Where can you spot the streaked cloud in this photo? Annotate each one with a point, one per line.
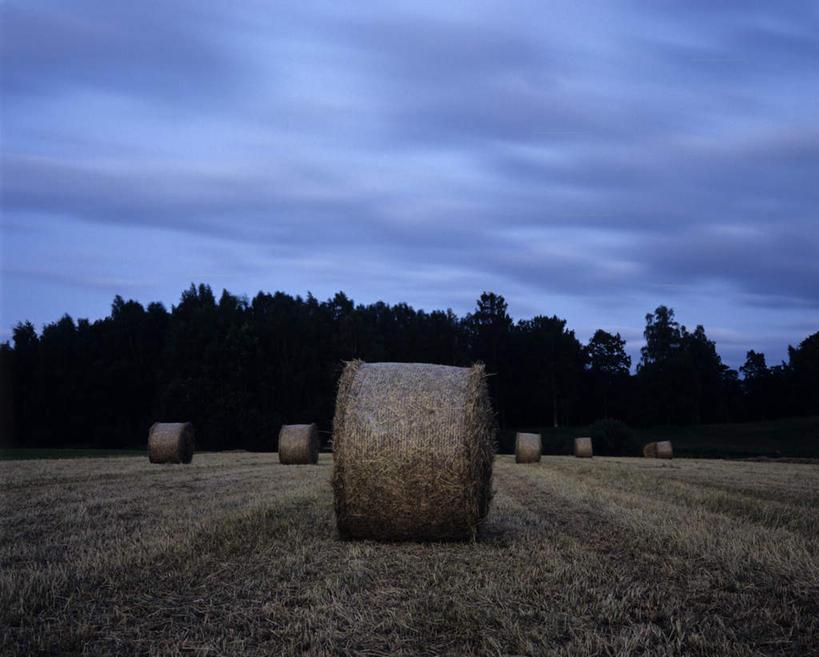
(590, 162)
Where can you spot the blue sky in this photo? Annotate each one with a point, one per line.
(591, 160)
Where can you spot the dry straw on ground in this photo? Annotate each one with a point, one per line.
(248, 564)
(583, 447)
(659, 450)
(527, 447)
(413, 446)
(170, 442)
(298, 444)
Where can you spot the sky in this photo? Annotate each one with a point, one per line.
(592, 160)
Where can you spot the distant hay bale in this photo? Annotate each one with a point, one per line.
(170, 442)
(413, 446)
(298, 444)
(583, 447)
(658, 450)
(527, 447)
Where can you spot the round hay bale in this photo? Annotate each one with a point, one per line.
(527, 447)
(170, 442)
(413, 446)
(298, 443)
(650, 450)
(664, 450)
(583, 447)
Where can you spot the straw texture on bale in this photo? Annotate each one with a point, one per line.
(170, 442)
(413, 446)
(527, 447)
(298, 444)
(659, 450)
(583, 447)
(664, 449)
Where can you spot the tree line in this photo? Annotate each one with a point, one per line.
(240, 368)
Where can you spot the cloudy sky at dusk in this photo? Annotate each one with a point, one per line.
(591, 160)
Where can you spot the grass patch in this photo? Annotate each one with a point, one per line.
(26, 453)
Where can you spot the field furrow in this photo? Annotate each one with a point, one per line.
(238, 554)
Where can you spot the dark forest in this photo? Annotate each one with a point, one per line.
(240, 368)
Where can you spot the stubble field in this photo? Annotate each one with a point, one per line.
(236, 554)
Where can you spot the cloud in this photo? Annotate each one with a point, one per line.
(157, 49)
(597, 158)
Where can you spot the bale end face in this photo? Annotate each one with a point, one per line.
(298, 444)
(583, 447)
(413, 445)
(664, 450)
(528, 447)
(650, 450)
(171, 442)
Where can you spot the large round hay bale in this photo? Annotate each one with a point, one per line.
(658, 450)
(664, 450)
(413, 446)
(583, 447)
(170, 442)
(527, 447)
(298, 443)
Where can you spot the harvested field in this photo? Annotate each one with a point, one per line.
(611, 557)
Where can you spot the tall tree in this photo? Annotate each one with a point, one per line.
(803, 362)
(756, 384)
(26, 394)
(658, 362)
(549, 363)
(705, 375)
(607, 362)
(8, 431)
(488, 330)
(662, 335)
